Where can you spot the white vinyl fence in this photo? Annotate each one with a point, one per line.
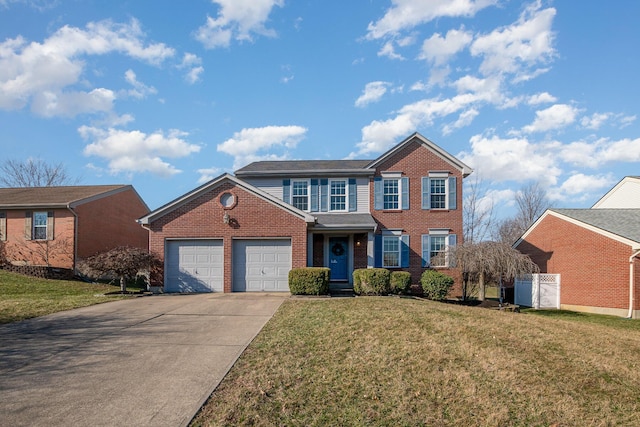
(538, 291)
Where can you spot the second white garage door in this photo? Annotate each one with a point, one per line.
(261, 265)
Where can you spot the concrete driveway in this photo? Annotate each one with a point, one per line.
(148, 361)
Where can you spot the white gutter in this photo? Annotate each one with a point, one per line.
(631, 283)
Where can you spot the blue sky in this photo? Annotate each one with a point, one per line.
(169, 96)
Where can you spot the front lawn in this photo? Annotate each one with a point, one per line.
(398, 361)
(23, 297)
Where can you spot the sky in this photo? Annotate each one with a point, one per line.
(167, 95)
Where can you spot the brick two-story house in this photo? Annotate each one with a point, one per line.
(56, 226)
(245, 232)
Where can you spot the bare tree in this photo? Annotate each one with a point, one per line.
(34, 173)
(124, 262)
(532, 201)
(477, 212)
(483, 262)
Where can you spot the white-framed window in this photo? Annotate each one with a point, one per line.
(390, 251)
(39, 226)
(300, 194)
(394, 249)
(391, 193)
(436, 248)
(338, 195)
(439, 191)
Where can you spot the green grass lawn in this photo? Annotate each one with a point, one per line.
(23, 297)
(404, 362)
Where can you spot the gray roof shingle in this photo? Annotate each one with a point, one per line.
(302, 166)
(51, 196)
(622, 222)
(346, 221)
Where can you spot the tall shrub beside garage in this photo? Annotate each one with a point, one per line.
(309, 281)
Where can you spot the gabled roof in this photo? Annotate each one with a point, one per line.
(55, 197)
(305, 167)
(341, 167)
(186, 198)
(466, 170)
(620, 200)
(622, 225)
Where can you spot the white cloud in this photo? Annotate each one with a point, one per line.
(192, 63)
(251, 144)
(133, 152)
(41, 73)
(70, 104)
(595, 120)
(208, 174)
(464, 119)
(555, 117)
(518, 48)
(511, 159)
(389, 51)
(406, 14)
(541, 98)
(140, 90)
(438, 50)
(372, 92)
(580, 183)
(626, 120)
(238, 20)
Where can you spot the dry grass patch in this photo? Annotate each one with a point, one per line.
(396, 361)
(24, 297)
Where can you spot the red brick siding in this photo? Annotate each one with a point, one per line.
(318, 250)
(415, 161)
(59, 250)
(252, 217)
(110, 222)
(360, 251)
(594, 269)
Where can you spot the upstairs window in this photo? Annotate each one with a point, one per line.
(300, 195)
(391, 192)
(439, 191)
(338, 196)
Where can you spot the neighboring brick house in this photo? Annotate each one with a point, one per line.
(57, 226)
(595, 251)
(245, 232)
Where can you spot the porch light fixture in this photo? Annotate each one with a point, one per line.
(226, 218)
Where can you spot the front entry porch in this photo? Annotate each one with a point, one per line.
(341, 253)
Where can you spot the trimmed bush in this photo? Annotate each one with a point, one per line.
(309, 281)
(400, 282)
(371, 281)
(435, 285)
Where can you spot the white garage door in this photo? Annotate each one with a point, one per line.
(261, 265)
(194, 266)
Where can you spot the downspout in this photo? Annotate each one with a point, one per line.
(75, 237)
(631, 283)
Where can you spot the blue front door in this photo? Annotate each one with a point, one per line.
(338, 255)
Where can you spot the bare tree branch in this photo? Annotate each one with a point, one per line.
(477, 212)
(34, 173)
